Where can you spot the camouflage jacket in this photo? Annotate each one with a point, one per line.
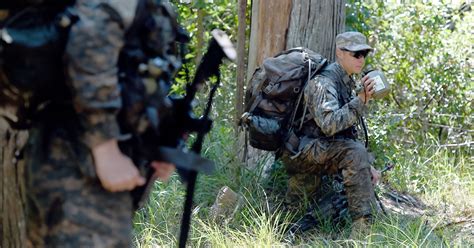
(332, 103)
(91, 55)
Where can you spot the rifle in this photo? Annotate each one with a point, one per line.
(165, 139)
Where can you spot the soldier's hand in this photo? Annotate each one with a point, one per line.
(116, 171)
(163, 170)
(369, 89)
(375, 175)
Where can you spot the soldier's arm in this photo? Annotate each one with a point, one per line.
(321, 96)
(91, 55)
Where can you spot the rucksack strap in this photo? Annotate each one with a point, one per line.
(311, 75)
(300, 95)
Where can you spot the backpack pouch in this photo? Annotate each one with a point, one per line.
(265, 133)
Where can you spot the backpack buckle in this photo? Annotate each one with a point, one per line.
(245, 119)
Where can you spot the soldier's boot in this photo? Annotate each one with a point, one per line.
(360, 228)
(307, 222)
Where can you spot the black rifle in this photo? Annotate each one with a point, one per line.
(165, 139)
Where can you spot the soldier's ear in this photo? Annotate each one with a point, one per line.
(338, 53)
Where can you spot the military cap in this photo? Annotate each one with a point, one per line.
(352, 41)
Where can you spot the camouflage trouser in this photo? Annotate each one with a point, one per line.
(67, 207)
(328, 157)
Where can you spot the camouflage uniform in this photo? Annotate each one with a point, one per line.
(67, 204)
(329, 142)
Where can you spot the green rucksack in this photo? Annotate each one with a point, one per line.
(275, 93)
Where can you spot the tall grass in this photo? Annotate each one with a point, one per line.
(259, 227)
(442, 177)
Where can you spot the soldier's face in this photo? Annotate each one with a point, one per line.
(352, 62)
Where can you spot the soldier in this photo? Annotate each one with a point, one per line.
(78, 180)
(327, 141)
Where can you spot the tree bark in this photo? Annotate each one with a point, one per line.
(12, 190)
(314, 24)
(241, 38)
(200, 35)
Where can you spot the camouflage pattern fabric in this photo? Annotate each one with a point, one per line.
(324, 149)
(352, 41)
(323, 97)
(66, 202)
(65, 207)
(91, 54)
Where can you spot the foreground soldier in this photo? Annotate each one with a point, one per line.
(329, 142)
(78, 179)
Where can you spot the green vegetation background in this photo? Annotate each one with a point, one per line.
(424, 127)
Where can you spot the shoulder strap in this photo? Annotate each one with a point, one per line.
(311, 75)
(300, 95)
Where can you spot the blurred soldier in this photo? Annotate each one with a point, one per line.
(328, 143)
(78, 178)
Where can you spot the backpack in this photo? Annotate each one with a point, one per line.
(275, 93)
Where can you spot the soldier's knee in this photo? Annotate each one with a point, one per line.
(358, 156)
(356, 176)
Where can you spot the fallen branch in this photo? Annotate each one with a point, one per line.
(451, 223)
(468, 143)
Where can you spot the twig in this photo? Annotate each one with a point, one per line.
(396, 101)
(468, 143)
(454, 223)
(447, 126)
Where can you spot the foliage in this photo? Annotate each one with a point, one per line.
(222, 16)
(423, 47)
(424, 127)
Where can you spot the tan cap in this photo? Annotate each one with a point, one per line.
(352, 41)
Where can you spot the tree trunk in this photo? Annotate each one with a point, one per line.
(270, 20)
(200, 35)
(314, 24)
(12, 190)
(282, 24)
(241, 38)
